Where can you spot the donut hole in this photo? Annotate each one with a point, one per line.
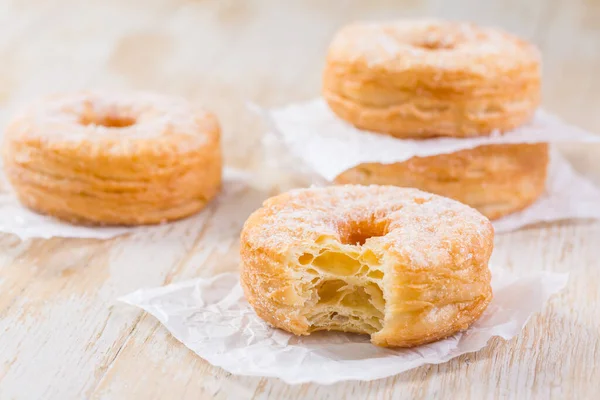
(436, 39)
(435, 44)
(359, 238)
(358, 232)
(107, 120)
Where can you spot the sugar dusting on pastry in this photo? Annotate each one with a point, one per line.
(427, 78)
(432, 41)
(114, 158)
(367, 259)
(118, 116)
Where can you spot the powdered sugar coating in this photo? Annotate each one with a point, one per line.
(412, 265)
(150, 120)
(110, 158)
(445, 45)
(423, 228)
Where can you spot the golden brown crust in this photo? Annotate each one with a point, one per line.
(419, 79)
(405, 266)
(114, 158)
(497, 180)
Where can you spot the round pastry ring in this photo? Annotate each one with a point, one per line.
(103, 158)
(405, 266)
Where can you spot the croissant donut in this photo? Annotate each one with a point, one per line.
(420, 79)
(497, 180)
(404, 266)
(114, 158)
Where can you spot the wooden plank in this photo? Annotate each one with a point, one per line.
(527, 365)
(61, 333)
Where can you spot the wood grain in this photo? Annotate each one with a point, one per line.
(62, 335)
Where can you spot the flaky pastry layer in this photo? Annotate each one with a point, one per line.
(497, 180)
(427, 78)
(114, 158)
(404, 266)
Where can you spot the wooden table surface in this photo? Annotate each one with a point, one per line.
(62, 334)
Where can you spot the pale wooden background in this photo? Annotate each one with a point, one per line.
(62, 336)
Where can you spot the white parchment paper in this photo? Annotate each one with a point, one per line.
(329, 146)
(568, 196)
(212, 318)
(309, 140)
(26, 224)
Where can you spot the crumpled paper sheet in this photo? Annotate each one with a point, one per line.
(568, 196)
(26, 224)
(330, 146)
(308, 139)
(212, 318)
